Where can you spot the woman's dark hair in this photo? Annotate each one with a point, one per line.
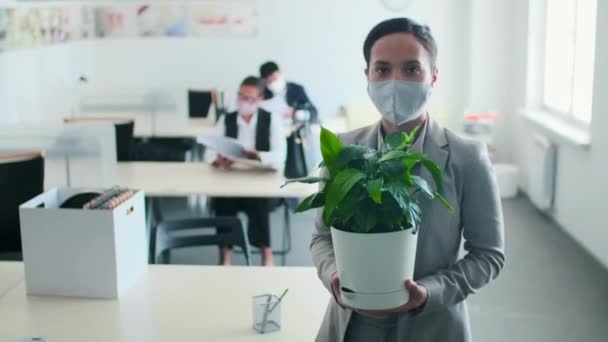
(253, 81)
(268, 68)
(401, 25)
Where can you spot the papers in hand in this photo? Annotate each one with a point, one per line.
(232, 149)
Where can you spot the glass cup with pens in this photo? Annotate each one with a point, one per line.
(267, 312)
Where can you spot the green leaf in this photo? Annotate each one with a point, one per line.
(330, 149)
(351, 152)
(421, 184)
(399, 193)
(395, 141)
(445, 202)
(409, 208)
(327, 217)
(411, 159)
(365, 221)
(374, 189)
(410, 138)
(407, 178)
(390, 155)
(435, 172)
(339, 187)
(414, 216)
(393, 169)
(307, 180)
(370, 163)
(414, 158)
(390, 213)
(313, 201)
(349, 204)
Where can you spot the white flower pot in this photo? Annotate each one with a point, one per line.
(373, 267)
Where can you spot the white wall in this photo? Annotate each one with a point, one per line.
(318, 43)
(34, 84)
(581, 174)
(497, 49)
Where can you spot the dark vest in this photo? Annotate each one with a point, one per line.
(262, 129)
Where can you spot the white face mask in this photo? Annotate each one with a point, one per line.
(277, 85)
(399, 101)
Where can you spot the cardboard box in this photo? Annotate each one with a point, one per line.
(82, 252)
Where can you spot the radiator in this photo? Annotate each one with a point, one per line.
(542, 170)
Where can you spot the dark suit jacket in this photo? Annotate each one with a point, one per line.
(296, 97)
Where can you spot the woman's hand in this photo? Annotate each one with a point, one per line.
(253, 155)
(418, 297)
(222, 162)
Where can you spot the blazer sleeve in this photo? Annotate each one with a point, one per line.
(321, 248)
(299, 96)
(483, 232)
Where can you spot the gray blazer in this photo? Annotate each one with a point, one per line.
(470, 186)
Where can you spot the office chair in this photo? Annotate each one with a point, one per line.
(199, 103)
(124, 140)
(275, 203)
(124, 134)
(163, 149)
(163, 241)
(21, 179)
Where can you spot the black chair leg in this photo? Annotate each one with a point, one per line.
(286, 235)
(154, 218)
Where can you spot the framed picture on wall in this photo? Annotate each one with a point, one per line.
(157, 20)
(215, 18)
(113, 21)
(86, 22)
(2, 29)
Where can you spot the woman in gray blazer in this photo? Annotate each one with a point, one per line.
(401, 72)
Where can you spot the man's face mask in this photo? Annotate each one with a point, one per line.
(399, 101)
(277, 85)
(247, 105)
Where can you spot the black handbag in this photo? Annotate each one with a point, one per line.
(295, 163)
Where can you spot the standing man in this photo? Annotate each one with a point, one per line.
(299, 106)
(264, 140)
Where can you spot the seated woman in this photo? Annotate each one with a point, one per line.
(264, 140)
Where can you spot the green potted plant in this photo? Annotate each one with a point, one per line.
(370, 201)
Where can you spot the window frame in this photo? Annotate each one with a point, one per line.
(568, 117)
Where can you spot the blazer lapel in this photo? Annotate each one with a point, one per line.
(369, 137)
(435, 146)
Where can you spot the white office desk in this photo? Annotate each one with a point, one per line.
(173, 303)
(11, 273)
(184, 179)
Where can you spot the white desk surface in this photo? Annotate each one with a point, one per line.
(184, 179)
(172, 303)
(11, 273)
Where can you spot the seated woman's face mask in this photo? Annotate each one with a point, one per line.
(399, 101)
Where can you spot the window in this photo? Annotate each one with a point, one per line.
(569, 58)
